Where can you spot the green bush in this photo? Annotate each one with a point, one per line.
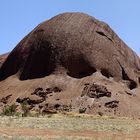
(25, 109)
(10, 110)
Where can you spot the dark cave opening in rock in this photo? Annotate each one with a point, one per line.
(132, 84)
(124, 75)
(139, 80)
(80, 68)
(106, 73)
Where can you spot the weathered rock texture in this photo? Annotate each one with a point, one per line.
(93, 69)
(2, 58)
(77, 42)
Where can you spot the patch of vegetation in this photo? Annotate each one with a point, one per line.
(10, 110)
(25, 109)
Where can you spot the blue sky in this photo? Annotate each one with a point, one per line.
(18, 17)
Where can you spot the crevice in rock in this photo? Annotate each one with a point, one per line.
(103, 34)
(139, 80)
(5, 99)
(132, 84)
(56, 106)
(29, 101)
(44, 93)
(112, 104)
(124, 74)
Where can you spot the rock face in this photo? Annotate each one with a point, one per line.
(77, 42)
(53, 63)
(2, 58)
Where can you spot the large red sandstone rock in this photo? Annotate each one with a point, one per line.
(3, 57)
(76, 42)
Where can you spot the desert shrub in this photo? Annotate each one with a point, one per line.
(10, 110)
(25, 109)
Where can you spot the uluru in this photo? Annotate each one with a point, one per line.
(72, 63)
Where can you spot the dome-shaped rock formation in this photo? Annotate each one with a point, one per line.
(76, 42)
(72, 62)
